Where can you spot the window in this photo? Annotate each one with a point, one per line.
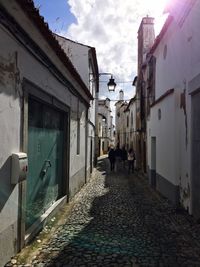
(151, 83)
(165, 52)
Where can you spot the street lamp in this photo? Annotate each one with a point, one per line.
(111, 84)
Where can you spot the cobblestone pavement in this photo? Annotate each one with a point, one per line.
(120, 221)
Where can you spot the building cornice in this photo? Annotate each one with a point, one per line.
(162, 97)
(161, 35)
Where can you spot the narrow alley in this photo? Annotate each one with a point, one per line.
(118, 220)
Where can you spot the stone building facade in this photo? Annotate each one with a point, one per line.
(44, 105)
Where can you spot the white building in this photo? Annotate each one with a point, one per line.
(131, 130)
(173, 128)
(44, 106)
(146, 37)
(84, 60)
(121, 121)
(105, 126)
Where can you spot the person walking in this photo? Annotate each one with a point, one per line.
(124, 156)
(118, 157)
(131, 159)
(111, 156)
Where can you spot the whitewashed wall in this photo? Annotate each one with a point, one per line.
(181, 65)
(77, 161)
(165, 132)
(132, 125)
(104, 109)
(9, 143)
(79, 56)
(17, 63)
(117, 122)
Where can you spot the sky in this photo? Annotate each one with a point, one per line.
(111, 27)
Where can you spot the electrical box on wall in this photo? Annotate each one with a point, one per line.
(19, 167)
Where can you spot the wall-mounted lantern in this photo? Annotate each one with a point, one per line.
(111, 84)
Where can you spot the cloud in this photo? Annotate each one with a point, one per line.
(111, 27)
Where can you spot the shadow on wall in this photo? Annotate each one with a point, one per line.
(6, 187)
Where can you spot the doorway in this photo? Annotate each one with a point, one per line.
(45, 153)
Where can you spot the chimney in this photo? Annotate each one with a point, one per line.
(121, 95)
(146, 38)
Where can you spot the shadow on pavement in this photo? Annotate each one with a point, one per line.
(124, 225)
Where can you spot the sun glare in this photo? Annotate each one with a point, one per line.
(155, 8)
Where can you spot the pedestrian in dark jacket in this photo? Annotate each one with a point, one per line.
(118, 156)
(111, 156)
(131, 159)
(124, 155)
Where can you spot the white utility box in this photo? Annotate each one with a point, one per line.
(19, 167)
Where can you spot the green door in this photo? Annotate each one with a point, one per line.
(45, 157)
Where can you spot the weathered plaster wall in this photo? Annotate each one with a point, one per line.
(77, 161)
(132, 125)
(175, 69)
(78, 55)
(164, 131)
(13, 8)
(91, 138)
(17, 63)
(10, 92)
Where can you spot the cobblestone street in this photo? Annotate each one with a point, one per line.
(119, 221)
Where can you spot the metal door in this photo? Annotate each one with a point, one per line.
(196, 155)
(45, 155)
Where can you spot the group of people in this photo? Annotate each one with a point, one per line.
(118, 156)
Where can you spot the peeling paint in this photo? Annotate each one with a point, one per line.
(10, 74)
(6, 66)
